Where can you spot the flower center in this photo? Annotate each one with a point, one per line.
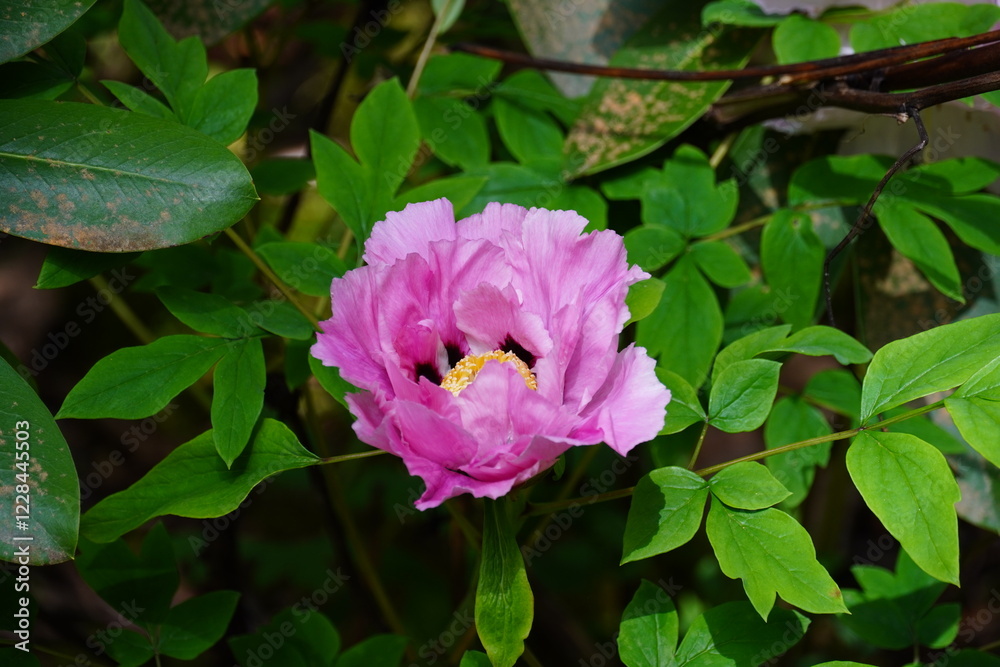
(465, 371)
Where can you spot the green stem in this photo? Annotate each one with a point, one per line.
(697, 447)
(720, 153)
(762, 220)
(266, 270)
(352, 457)
(705, 472)
(992, 646)
(425, 52)
(123, 311)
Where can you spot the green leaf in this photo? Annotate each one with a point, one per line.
(223, 106)
(33, 454)
(916, 237)
(310, 640)
(910, 488)
(794, 420)
(748, 485)
(686, 198)
(738, 12)
(623, 120)
(329, 378)
(836, 389)
(975, 407)
(928, 362)
(281, 318)
(197, 624)
(921, 23)
(282, 176)
(684, 330)
(773, 554)
(969, 217)
(532, 89)
(193, 481)
(504, 603)
(208, 19)
(798, 39)
(26, 25)
(131, 649)
(139, 100)
(136, 184)
(649, 628)
(685, 408)
(748, 347)
(139, 586)
(732, 635)
(529, 134)
(666, 510)
(837, 180)
(642, 298)
(459, 190)
(377, 651)
(939, 627)
(652, 247)
(308, 267)
(178, 69)
(63, 267)
(458, 72)
(475, 659)
(721, 264)
(791, 256)
(447, 12)
(818, 341)
(343, 183)
(207, 313)
(238, 380)
(742, 395)
(136, 382)
(35, 80)
(454, 131)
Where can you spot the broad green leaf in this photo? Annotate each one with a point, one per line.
(910, 488)
(146, 581)
(622, 120)
(791, 256)
(794, 420)
(131, 649)
(721, 264)
(940, 626)
(238, 382)
(139, 100)
(685, 329)
(748, 347)
(512, 184)
(329, 378)
(504, 603)
(33, 80)
(223, 105)
(975, 407)
(773, 554)
(209, 19)
(666, 510)
(34, 458)
(836, 389)
(308, 267)
(197, 624)
(748, 486)
(916, 237)
(136, 382)
(685, 408)
(136, 184)
(63, 267)
(928, 362)
(732, 635)
(26, 25)
(532, 89)
(924, 428)
(969, 217)
(193, 481)
(798, 39)
(282, 176)
(653, 246)
(738, 12)
(281, 318)
(642, 298)
(385, 137)
(686, 198)
(207, 313)
(649, 628)
(343, 183)
(459, 190)
(453, 130)
(742, 395)
(178, 69)
(475, 659)
(529, 134)
(377, 651)
(458, 73)
(313, 642)
(818, 341)
(921, 23)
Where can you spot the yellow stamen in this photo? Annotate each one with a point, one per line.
(465, 371)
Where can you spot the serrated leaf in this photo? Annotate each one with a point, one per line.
(791, 256)
(136, 184)
(238, 383)
(748, 485)
(773, 554)
(665, 513)
(45, 467)
(28, 24)
(504, 603)
(742, 395)
(136, 382)
(928, 362)
(192, 481)
(908, 485)
(649, 628)
(684, 330)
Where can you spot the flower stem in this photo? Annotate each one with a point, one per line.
(720, 153)
(352, 457)
(425, 52)
(266, 270)
(697, 447)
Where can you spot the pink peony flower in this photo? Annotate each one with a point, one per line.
(488, 347)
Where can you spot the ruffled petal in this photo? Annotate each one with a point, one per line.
(489, 317)
(631, 405)
(410, 231)
(496, 224)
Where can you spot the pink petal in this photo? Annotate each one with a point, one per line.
(488, 316)
(495, 223)
(410, 231)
